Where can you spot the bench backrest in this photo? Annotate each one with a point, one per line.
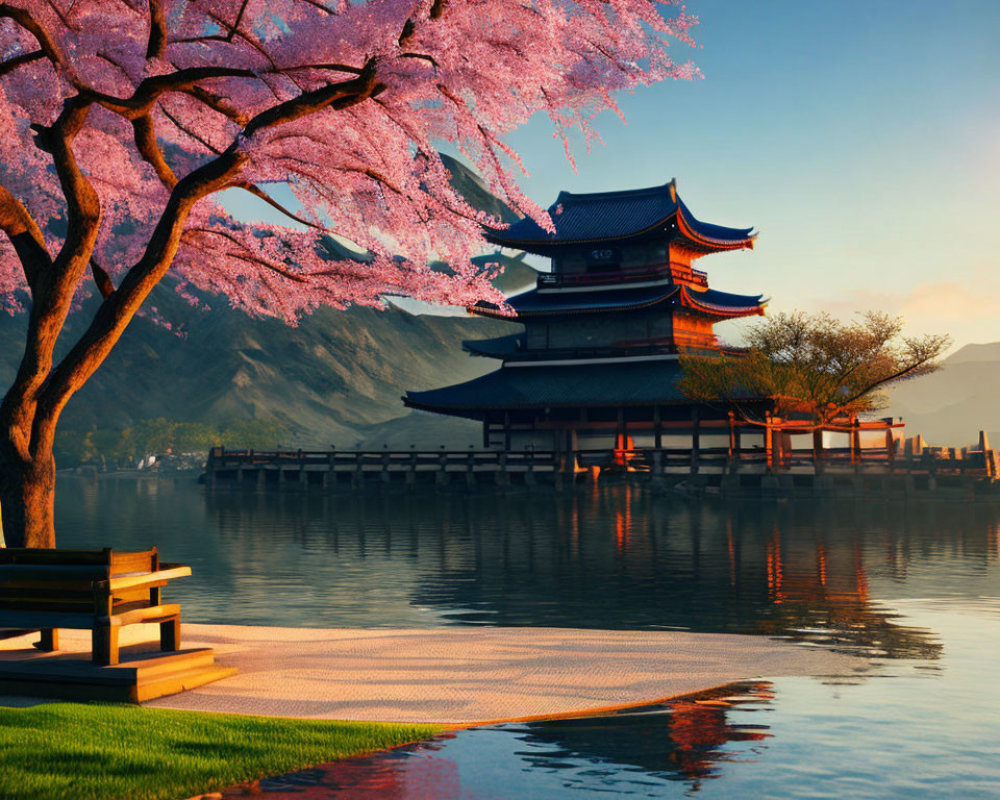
(33, 579)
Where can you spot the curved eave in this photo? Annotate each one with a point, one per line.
(498, 347)
(694, 231)
(515, 315)
(692, 300)
(545, 246)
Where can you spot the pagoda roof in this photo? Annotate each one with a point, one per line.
(635, 383)
(538, 304)
(722, 304)
(609, 216)
(498, 347)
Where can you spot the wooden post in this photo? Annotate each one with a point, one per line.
(737, 444)
(890, 448)
(695, 438)
(818, 450)
(441, 476)
(506, 430)
(855, 435)
(768, 441)
(732, 435)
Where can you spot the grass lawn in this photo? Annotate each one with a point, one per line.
(79, 751)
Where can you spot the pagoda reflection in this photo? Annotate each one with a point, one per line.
(689, 740)
(618, 557)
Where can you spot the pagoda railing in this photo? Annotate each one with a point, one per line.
(648, 272)
(612, 351)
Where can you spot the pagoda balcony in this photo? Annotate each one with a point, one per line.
(650, 272)
(610, 352)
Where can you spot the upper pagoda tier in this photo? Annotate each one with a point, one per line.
(536, 304)
(624, 217)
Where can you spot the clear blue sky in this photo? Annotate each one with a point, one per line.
(861, 138)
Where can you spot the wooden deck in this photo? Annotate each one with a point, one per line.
(882, 471)
(144, 672)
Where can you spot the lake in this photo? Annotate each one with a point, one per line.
(915, 587)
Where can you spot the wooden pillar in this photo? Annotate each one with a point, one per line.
(695, 437)
(768, 440)
(855, 441)
(506, 430)
(732, 435)
(890, 448)
(657, 428)
(738, 443)
(818, 449)
(486, 431)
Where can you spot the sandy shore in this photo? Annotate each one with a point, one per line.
(469, 675)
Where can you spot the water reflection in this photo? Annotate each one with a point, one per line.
(687, 741)
(619, 557)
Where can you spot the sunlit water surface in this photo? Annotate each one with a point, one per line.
(914, 587)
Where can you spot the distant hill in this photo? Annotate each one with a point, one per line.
(327, 381)
(949, 407)
(334, 379)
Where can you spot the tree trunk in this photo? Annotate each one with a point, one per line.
(27, 498)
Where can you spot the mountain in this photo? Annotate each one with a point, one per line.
(334, 379)
(327, 381)
(949, 407)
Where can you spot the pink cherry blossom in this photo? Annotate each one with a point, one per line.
(122, 120)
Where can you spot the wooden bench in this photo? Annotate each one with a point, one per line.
(99, 590)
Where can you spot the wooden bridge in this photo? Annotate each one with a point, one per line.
(892, 469)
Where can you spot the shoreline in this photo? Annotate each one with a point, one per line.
(461, 677)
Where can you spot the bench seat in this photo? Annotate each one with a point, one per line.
(98, 590)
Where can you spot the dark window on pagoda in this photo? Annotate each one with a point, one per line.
(603, 259)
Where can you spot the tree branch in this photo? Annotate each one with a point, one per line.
(144, 133)
(256, 191)
(17, 61)
(25, 236)
(157, 30)
(27, 21)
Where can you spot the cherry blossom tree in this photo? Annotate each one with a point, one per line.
(121, 121)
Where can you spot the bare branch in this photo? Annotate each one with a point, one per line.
(256, 191)
(186, 130)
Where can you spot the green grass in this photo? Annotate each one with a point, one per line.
(78, 751)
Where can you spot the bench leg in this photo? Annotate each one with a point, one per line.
(105, 645)
(49, 640)
(170, 634)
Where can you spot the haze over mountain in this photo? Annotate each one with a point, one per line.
(949, 407)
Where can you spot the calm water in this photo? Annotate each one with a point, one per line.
(915, 587)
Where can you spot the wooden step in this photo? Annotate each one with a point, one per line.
(179, 682)
(144, 676)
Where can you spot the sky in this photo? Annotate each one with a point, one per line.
(862, 140)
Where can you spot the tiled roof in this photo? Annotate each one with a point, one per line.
(723, 303)
(636, 383)
(601, 299)
(499, 347)
(616, 215)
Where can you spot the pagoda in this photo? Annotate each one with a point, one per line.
(594, 366)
